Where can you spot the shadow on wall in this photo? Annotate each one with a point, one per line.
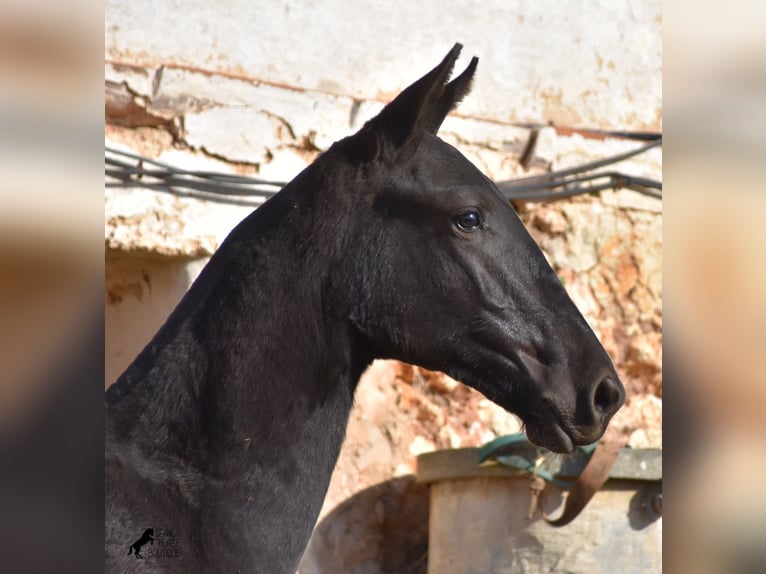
(380, 530)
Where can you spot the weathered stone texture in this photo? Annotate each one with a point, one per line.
(596, 64)
(609, 258)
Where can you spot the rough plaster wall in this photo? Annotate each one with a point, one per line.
(608, 254)
(592, 63)
(141, 292)
(267, 84)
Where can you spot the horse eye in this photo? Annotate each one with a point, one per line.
(468, 221)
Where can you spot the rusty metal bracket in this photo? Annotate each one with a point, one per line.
(594, 476)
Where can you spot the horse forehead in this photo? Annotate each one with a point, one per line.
(445, 166)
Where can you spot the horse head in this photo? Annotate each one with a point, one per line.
(442, 273)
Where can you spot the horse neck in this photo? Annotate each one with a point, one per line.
(251, 358)
(238, 407)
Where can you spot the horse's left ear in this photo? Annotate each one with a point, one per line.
(423, 105)
(451, 96)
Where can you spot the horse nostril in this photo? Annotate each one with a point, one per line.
(609, 396)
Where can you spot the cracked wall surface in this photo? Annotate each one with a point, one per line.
(591, 64)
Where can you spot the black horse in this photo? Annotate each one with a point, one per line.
(391, 244)
(147, 536)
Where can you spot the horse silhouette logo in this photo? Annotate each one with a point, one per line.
(147, 536)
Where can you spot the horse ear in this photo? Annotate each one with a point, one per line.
(405, 118)
(451, 96)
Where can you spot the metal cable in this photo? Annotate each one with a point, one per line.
(124, 169)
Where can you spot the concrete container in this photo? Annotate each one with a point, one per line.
(479, 525)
